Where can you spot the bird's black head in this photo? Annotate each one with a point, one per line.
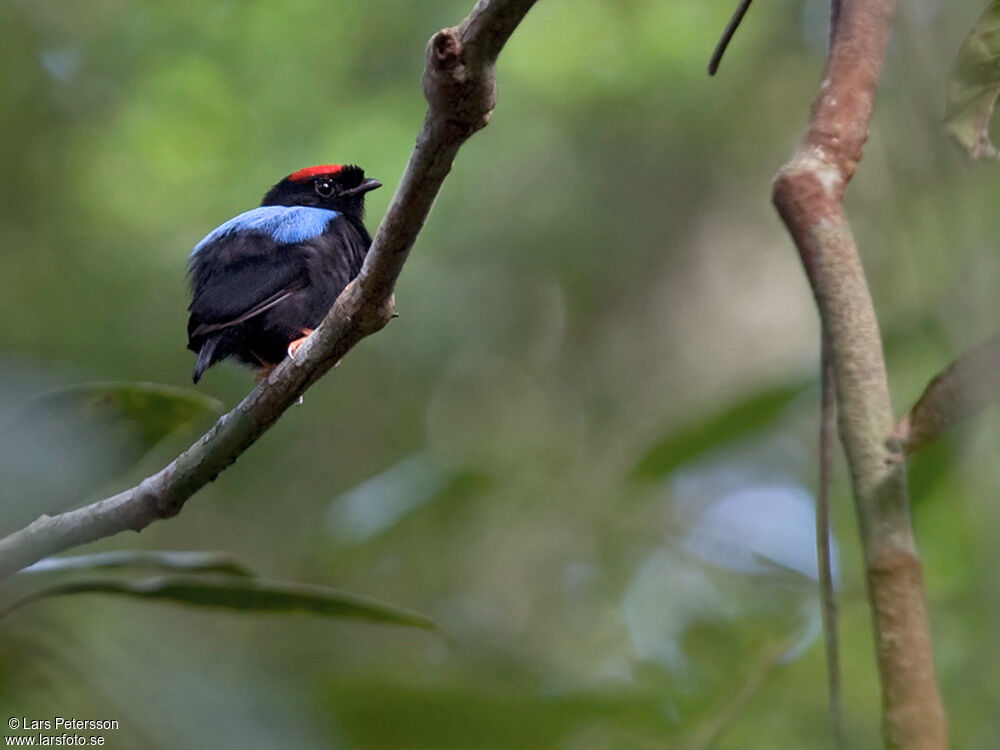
(334, 186)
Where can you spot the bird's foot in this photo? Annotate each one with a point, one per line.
(294, 346)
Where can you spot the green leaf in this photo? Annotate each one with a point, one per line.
(236, 593)
(974, 86)
(735, 421)
(191, 562)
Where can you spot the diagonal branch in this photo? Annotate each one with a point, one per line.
(808, 194)
(460, 86)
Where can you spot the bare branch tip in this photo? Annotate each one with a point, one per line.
(445, 49)
(727, 36)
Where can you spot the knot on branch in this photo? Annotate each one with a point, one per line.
(167, 504)
(460, 85)
(813, 178)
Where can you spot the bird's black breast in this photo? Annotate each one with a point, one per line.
(252, 295)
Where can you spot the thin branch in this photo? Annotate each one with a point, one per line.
(963, 389)
(808, 193)
(460, 86)
(727, 36)
(722, 718)
(827, 594)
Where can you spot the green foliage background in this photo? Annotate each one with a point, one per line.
(603, 332)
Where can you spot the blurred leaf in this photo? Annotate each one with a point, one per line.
(142, 413)
(377, 503)
(974, 86)
(964, 388)
(736, 420)
(714, 721)
(194, 562)
(70, 441)
(765, 530)
(238, 593)
(380, 502)
(442, 716)
(933, 469)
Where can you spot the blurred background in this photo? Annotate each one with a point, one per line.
(586, 448)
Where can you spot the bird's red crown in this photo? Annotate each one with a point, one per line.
(326, 170)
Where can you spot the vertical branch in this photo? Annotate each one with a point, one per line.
(808, 194)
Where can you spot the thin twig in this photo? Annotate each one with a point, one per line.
(827, 594)
(727, 36)
(708, 734)
(834, 21)
(460, 86)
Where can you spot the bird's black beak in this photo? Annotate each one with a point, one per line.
(364, 187)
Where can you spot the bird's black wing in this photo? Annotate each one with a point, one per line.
(240, 276)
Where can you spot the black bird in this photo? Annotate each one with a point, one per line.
(261, 282)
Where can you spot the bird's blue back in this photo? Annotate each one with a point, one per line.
(284, 224)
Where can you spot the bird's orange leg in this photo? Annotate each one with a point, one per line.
(294, 346)
(266, 368)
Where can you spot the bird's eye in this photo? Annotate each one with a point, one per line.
(324, 188)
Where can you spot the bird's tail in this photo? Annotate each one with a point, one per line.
(206, 357)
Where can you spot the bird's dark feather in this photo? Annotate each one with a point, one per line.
(207, 328)
(252, 296)
(240, 272)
